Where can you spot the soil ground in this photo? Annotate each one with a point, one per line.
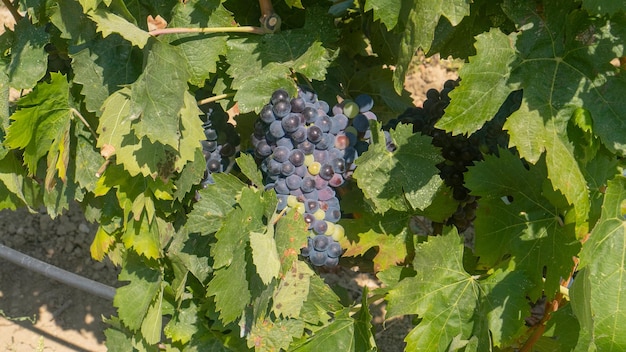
(40, 314)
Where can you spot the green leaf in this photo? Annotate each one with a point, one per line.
(184, 323)
(260, 65)
(292, 291)
(363, 329)
(388, 233)
(515, 218)
(201, 53)
(414, 22)
(580, 296)
(69, 18)
(602, 256)
(41, 127)
(234, 234)
(604, 6)
(441, 293)
(336, 336)
(153, 322)
(265, 255)
(483, 84)
(13, 176)
(277, 335)
(215, 202)
(250, 169)
(109, 23)
(407, 175)
(134, 300)
(96, 66)
(158, 95)
(321, 300)
(291, 235)
(143, 237)
(28, 56)
(229, 285)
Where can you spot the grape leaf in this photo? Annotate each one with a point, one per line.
(109, 23)
(321, 300)
(415, 22)
(363, 329)
(158, 95)
(28, 56)
(234, 234)
(184, 322)
(96, 66)
(265, 254)
(580, 296)
(292, 291)
(229, 285)
(41, 126)
(153, 322)
(101, 244)
(515, 218)
(259, 66)
(407, 175)
(133, 300)
(291, 235)
(277, 335)
(602, 257)
(441, 293)
(69, 18)
(483, 85)
(250, 169)
(215, 202)
(201, 53)
(143, 237)
(336, 336)
(604, 6)
(13, 175)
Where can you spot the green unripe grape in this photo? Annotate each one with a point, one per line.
(314, 168)
(292, 200)
(350, 109)
(308, 159)
(338, 232)
(319, 214)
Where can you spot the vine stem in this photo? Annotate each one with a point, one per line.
(81, 118)
(242, 29)
(11, 7)
(215, 98)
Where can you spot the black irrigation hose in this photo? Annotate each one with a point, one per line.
(53, 272)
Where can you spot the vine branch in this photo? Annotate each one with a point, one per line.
(82, 119)
(11, 7)
(215, 98)
(242, 29)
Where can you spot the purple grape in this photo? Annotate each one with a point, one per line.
(365, 102)
(287, 168)
(318, 258)
(314, 134)
(280, 186)
(299, 135)
(214, 165)
(267, 115)
(281, 109)
(336, 181)
(323, 122)
(310, 114)
(325, 193)
(307, 147)
(333, 214)
(334, 250)
(308, 184)
(321, 242)
(361, 123)
(276, 129)
(330, 262)
(297, 104)
(320, 227)
(281, 154)
(290, 123)
(293, 182)
(326, 172)
(311, 206)
(296, 157)
(278, 95)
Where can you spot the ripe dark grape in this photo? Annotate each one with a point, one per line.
(296, 157)
(365, 102)
(315, 134)
(290, 123)
(276, 129)
(221, 144)
(281, 154)
(321, 242)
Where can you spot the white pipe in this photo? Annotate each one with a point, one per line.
(53, 272)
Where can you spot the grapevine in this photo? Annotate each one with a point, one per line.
(231, 152)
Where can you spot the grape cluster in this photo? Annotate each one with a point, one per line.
(220, 146)
(305, 154)
(459, 151)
